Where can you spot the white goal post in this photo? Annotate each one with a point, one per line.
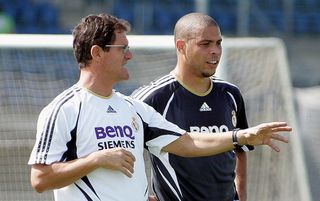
(35, 68)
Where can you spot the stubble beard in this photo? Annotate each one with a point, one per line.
(206, 75)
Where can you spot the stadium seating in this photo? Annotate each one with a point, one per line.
(32, 17)
(47, 17)
(125, 10)
(159, 16)
(302, 24)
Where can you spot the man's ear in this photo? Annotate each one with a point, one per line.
(180, 46)
(95, 52)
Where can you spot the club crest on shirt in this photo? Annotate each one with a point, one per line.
(234, 118)
(135, 124)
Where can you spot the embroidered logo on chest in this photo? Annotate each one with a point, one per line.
(111, 110)
(205, 107)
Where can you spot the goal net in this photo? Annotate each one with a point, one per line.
(36, 68)
(259, 67)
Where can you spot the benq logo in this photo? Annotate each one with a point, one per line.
(209, 129)
(114, 131)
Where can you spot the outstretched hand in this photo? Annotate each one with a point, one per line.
(265, 133)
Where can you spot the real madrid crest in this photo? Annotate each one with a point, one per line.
(135, 124)
(234, 118)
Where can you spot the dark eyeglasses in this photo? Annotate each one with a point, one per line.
(125, 48)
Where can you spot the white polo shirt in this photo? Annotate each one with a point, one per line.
(78, 122)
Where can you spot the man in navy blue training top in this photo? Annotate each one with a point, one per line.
(192, 98)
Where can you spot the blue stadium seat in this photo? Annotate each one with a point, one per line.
(316, 22)
(31, 16)
(257, 24)
(226, 20)
(47, 14)
(301, 23)
(27, 29)
(125, 10)
(9, 9)
(163, 20)
(225, 13)
(25, 14)
(277, 19)
(269, 5)
(180, 8)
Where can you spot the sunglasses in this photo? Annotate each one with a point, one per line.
(125, 48)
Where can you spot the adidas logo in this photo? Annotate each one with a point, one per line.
(111, 110)
(205, 107)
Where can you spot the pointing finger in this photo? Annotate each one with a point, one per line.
(282, 129)
(276, 124)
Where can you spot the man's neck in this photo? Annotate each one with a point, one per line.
(192, 82)
(95, 84)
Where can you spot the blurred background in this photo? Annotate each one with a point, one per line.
(296, 22)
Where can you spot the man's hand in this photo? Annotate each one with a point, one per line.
(115, 159)
(152, 198)
(264, 134)
(61, 174)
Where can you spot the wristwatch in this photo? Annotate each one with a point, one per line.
(235, 138)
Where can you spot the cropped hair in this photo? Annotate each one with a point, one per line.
(188, 25)
(95, 30)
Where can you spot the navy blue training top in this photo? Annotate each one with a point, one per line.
(220, 109)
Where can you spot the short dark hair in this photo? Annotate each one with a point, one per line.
(188, 24)
(95, 30)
